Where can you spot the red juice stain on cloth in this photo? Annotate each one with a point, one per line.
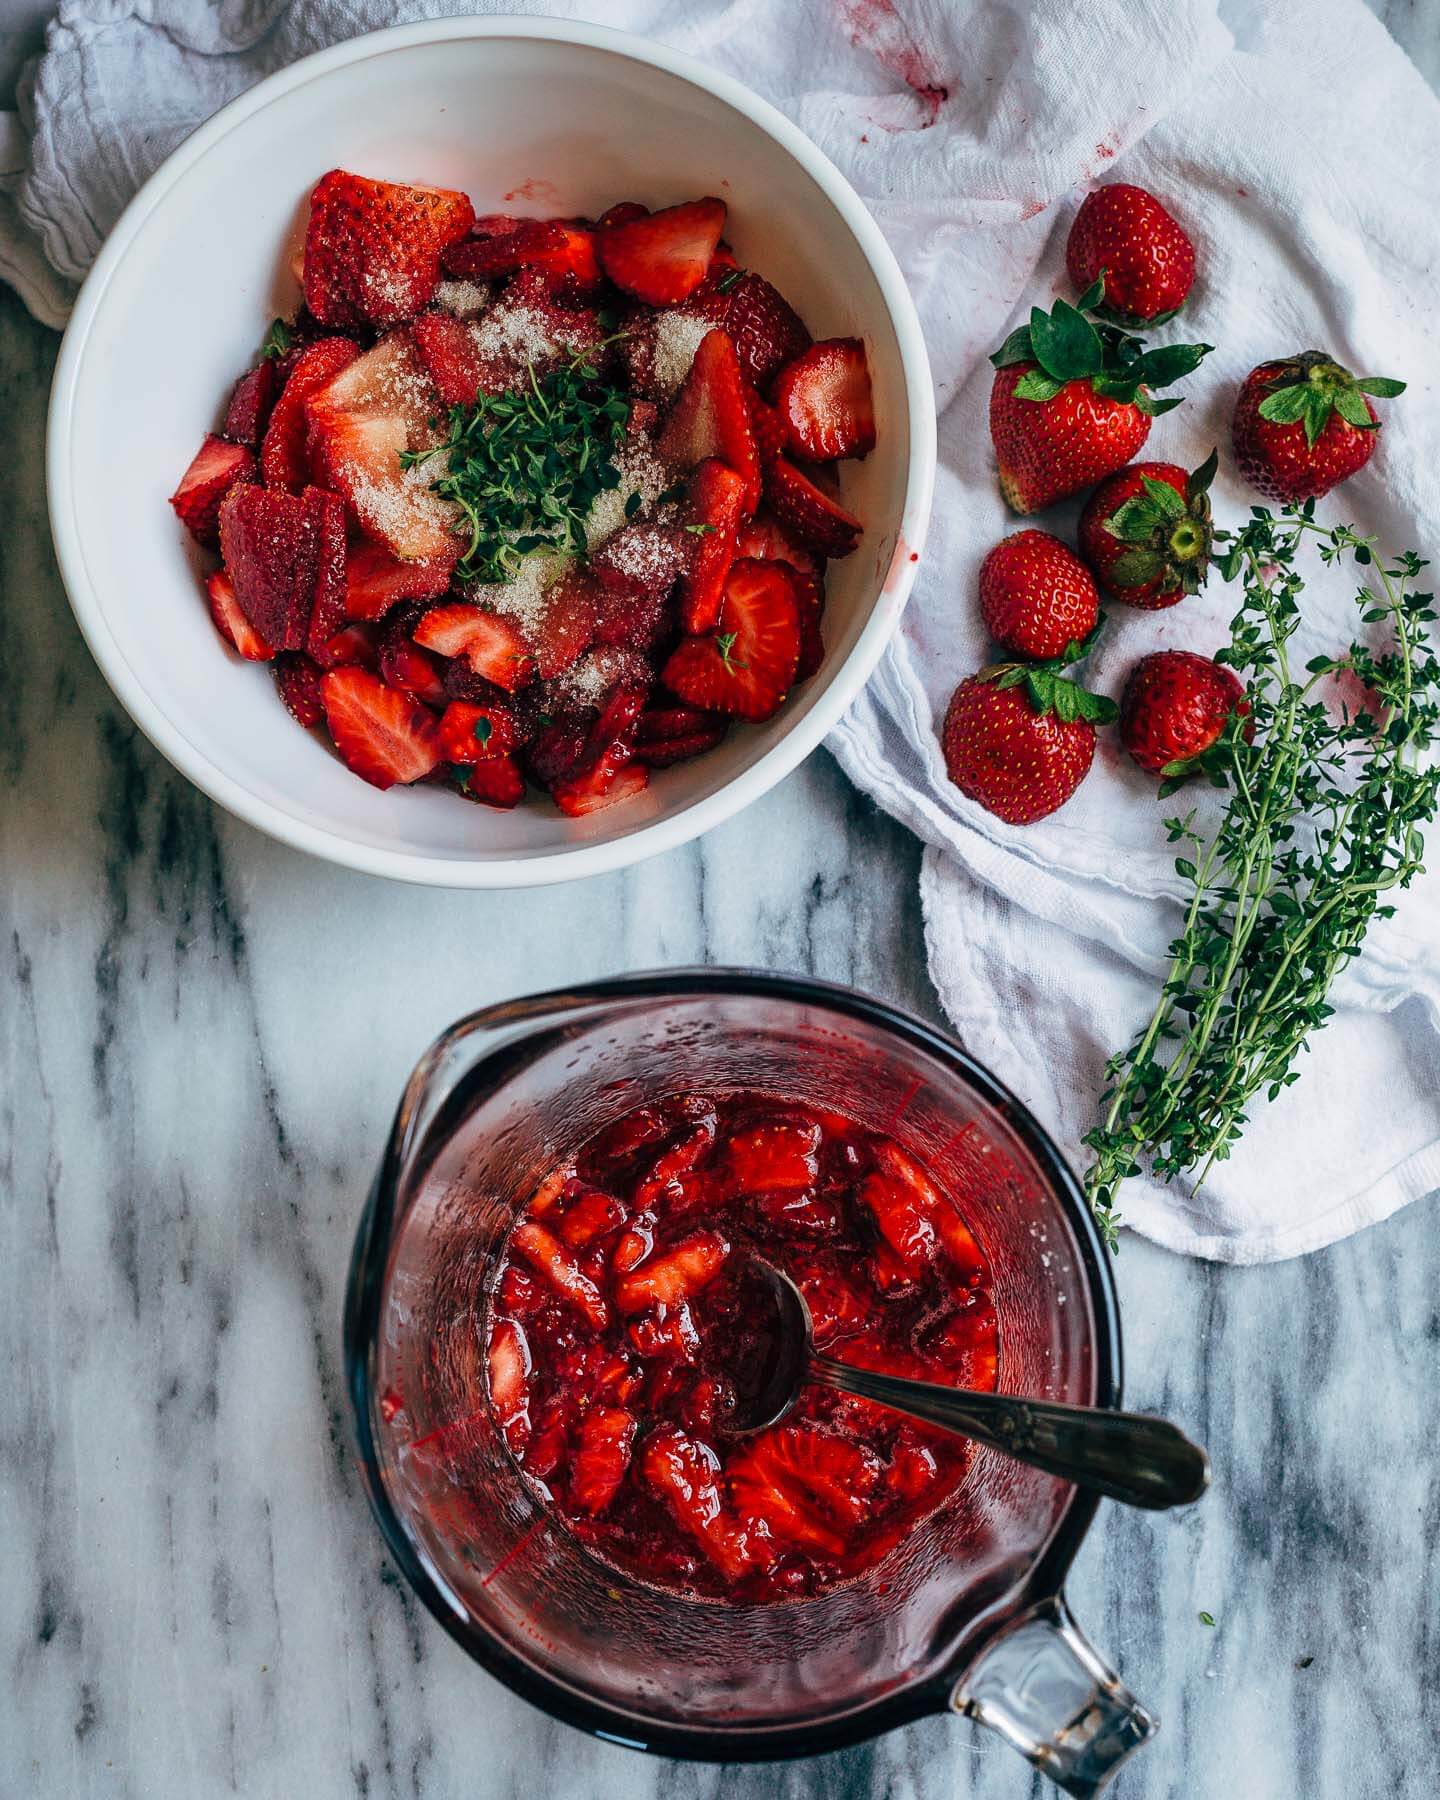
(876, 26)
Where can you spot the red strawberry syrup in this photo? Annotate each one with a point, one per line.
(626, 1314)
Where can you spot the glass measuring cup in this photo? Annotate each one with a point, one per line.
(966, 1613)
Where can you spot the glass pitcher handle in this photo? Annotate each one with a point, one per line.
(1044, 1689)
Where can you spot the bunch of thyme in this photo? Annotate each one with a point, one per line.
(1324, 817)
(524, 467)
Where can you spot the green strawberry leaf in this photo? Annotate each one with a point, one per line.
(1381, 386)
(1099, 709)
(1136, 567)
(1134, 521)
(1200, 479)
(1124, 388)
(1318, 407)
(277, 339)
(1283, 406)
(1032, 385)
(1350, 404)
(1171, 361)
(1016, 348)
(1094, 295)
(1152, 408)
(1164, 496)
(1066, 344)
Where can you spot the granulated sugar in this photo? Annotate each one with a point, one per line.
(394, 508)
(463, 298)
(513, 333)
(641, 472)
(526, 598)
(591, 680)
(678, 335)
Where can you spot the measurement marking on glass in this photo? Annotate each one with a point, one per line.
(514, 1550)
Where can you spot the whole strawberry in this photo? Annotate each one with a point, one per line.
(1036, 596)
(1175, 706)
(1146, 532)
(1019, 741)
(1302, 424)
(1146, 259)
(1071, 401)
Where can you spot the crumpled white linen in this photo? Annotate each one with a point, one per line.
(971, 131)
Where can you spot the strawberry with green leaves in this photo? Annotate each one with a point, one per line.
(1125, 234)
(1072, 400)
(1145, 532)
(1036, 596)
(1175, 707)
(1019, 739)
(1303, 424)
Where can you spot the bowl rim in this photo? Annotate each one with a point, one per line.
(603, 854)
(1042, 1582)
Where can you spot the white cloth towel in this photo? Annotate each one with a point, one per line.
(1304, 177)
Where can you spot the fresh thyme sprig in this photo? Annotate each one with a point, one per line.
(525, 467)
(1324, 817)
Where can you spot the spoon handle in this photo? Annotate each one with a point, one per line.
(1129, 1456)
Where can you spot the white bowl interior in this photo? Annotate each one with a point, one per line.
(520, 124)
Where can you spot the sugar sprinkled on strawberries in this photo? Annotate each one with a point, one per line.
(642, 472)
(463, 298)
(678, 335)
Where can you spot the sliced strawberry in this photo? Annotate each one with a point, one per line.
(670, 1335)
(714, 501)
(764, 536)
(549, 1441)
(549, 1257)
(761, 1499)
(565, 254)
(491, 644)
(723, 260)
(676, 1275)
(662, 258)
(684, 749)
(608, 781)
(451, 356)
(509, 1364)
(677, 1159)
(297, 681)
(271, 543)
(768, 424)
(327, 611)
(765, 329)
(361, 422)
(824, 399)
(590, 1214)
(230, 620)
(773, 1155)
(709, 417)
(404, 665)
(819, 521)
(836, 1310)
(810, 597)
(684, 1473)
(675, 724)
(470, 733)
(564, 627)
(621, 213)
(799, 1478)
(602, 1458)
(250, 401)
(900, 1167)
(372, 248)
(355, 645)
(215, 469)
(638, 562)
(904, 1221)
(497, 781)
(748, 666)
(375, 580)
(284, 462)
(383, 736)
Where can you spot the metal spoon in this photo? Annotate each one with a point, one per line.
(1132, 1457)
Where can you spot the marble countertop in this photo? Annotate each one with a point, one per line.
(202, 1036)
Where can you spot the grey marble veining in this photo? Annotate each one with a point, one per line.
(201, 1038)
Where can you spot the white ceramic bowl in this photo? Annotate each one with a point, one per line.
(524, 115)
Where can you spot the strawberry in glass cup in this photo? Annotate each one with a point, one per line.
(528, 502)
(626, 1323)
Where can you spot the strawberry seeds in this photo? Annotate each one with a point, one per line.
(625, 1318)
(522, 501)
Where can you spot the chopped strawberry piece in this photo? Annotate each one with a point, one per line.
(215, 469)
(774, 1155)
(297, 680)
(372, 248)
(564, 628)
(549, 1257)
(749, 665)
(565, 254)
(797, 1478)
(662, 257)
(327, 612)
(765, 537)
(670, 1334)
(817, 520)
(676, 1159)
(382, 735)
(913, 1469)
(836, 1310)
(271, 543)
(451, 356)
(354, 645)
(284, 461)
(714, 501)
(590, 1214)
(469, 733)
(375, 580)
(621, 213)
(955, 1236)
(490, 643)
(510, 1381)
(674, 724)
(497, 781)
(602, 1458)
(676, 1275)
(550, 1438)
(608, 781)
(810, 597)
(709, 417)
(404, 665)
(685, 1474)
(768, 424)
(764, 328)
(230, 620)
(723, 260)
(250, 401)
(824, 400)
(904, 1221)
(683, 749)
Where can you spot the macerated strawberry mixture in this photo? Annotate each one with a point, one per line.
(627, 1319)
(528, 500)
